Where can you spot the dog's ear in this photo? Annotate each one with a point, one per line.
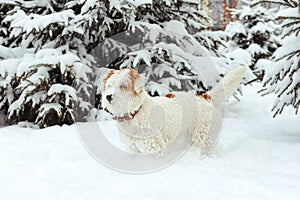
(138, 80)
(107, 76)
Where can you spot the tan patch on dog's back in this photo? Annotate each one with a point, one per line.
(170, 95)
(111, 72)
(204, 96)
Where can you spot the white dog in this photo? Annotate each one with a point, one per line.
(150, 124)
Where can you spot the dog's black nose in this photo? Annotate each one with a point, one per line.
(109, 98)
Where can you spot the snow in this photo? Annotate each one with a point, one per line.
(176, 26)
(162, 68)
(16, 106)
(8, 67)
(290, 44)
(6, 52)
(69, 92)
(115, 4)
(46, 107)
(142, 2)
(239, 56)
(259, 158)
(171, 81)
(47, 57)
(16, 52)
(254, 49)
(88, 4)
(263, 27)
(37, 98)
(153, 87)
(235, 28)
(138, 56)
(287, 11)
(202, 65)
(7, 2)
(264, 64)
(36, 22)
(191, 1)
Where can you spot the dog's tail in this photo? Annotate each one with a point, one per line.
(226, 87)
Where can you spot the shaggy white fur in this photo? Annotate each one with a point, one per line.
(150, 124)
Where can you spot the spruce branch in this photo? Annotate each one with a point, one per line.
(289, 55)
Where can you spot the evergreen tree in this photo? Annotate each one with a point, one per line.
(46, 66)
(49, 50)
(169, 34)
(255, 31)
(283, 74)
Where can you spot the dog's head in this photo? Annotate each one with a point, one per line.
(122, 93)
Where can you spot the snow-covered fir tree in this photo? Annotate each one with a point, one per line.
(169, 34)
(48, 61)
(283, 72)
(45, 66)
(254, 31)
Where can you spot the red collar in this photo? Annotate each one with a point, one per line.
(126, 117)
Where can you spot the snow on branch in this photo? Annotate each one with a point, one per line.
(283, 74)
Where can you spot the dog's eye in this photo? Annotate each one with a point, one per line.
(123, 86)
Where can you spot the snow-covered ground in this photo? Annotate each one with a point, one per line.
(259, 158)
